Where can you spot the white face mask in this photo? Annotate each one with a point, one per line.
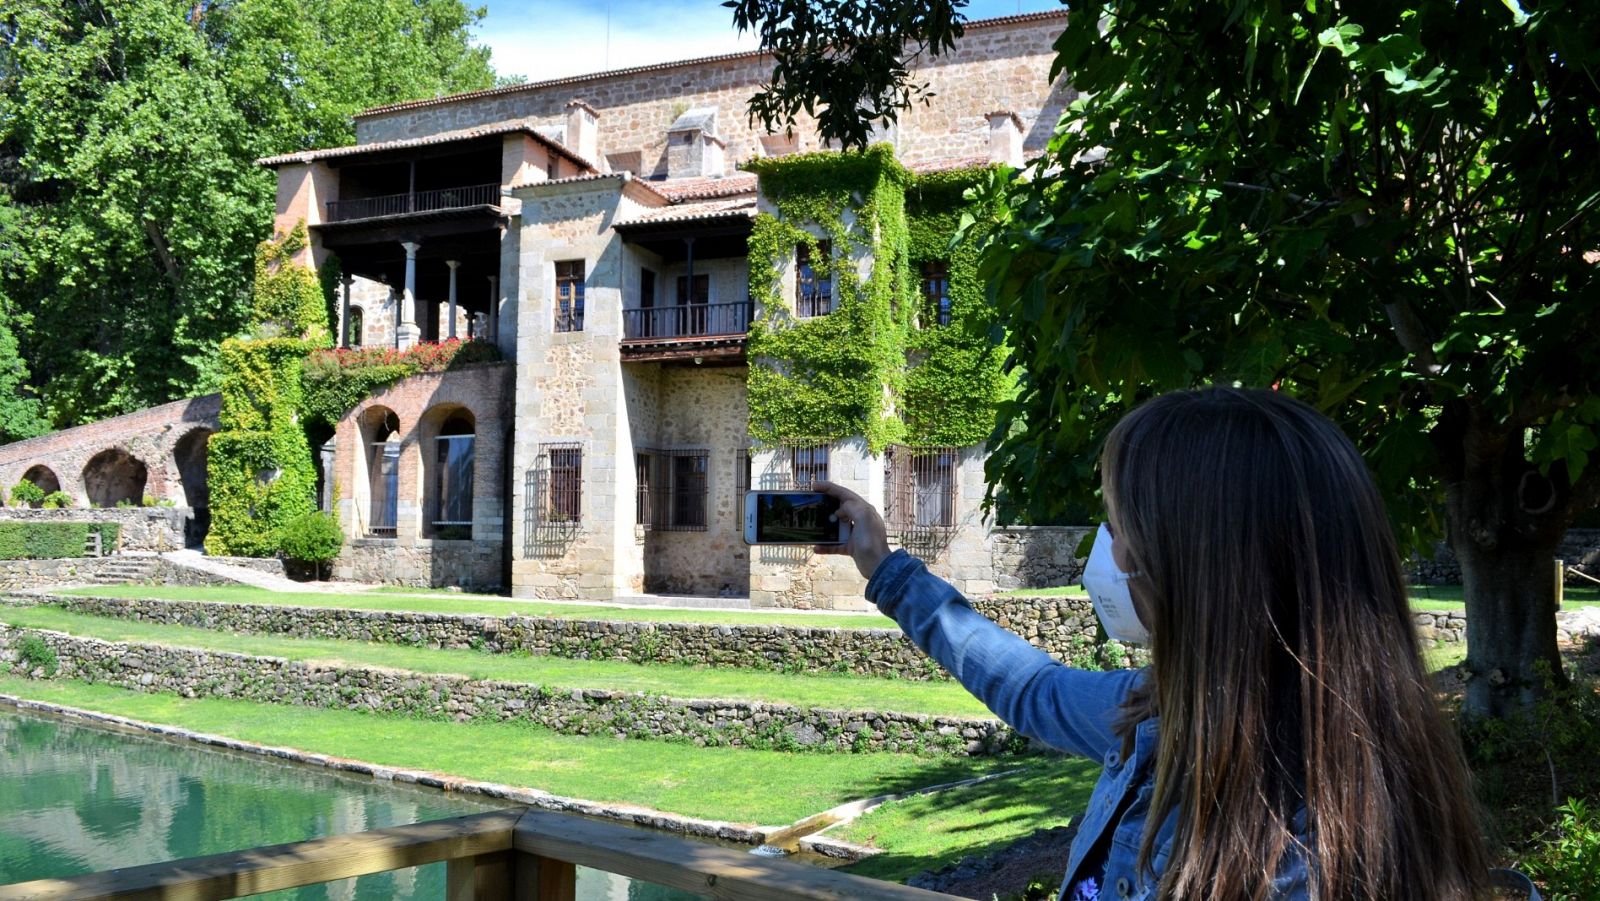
(1108, 589)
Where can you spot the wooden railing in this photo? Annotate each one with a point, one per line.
(414, 202)
(694, 320)
(505, 855)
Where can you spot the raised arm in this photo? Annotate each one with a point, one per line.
(1038, 696)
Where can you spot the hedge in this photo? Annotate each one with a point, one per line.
(52, 540)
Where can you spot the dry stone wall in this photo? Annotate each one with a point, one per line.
(726, 723)
(154, 529)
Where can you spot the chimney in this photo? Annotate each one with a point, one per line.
(693, 148)
(583, 132)
(1005, 138)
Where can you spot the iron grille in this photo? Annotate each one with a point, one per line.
(813, 280)
(553, 499)
(808, 464)
(920, 496)
(675, 489)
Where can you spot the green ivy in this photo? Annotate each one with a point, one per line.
(336, 380)
(865, 368)
(259, 463)
(832, 376)
(958, 374)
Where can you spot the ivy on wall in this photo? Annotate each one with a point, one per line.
(336, 380)
(866, 368)
(259, 464)
(958, 372)
(828, 377)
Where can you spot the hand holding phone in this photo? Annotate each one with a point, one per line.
(868, 543)
(794, 518)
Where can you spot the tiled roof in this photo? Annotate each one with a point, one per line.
(683, 189)
(656, 67)
(443, 137)
(624, 177)
(730, 208)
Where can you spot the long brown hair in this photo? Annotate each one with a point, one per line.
(1285, 666)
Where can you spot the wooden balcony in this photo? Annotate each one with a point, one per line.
(414, 202)
(505, 855)
(705, 330)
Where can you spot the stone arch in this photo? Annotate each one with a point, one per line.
(448, 439)
(189, 459)
(376, 488)
(113, 476)
(44, 477)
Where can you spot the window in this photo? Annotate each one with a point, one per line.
(642, 499)
(452, 472)
(563, 501)
(920, 491)
(742, 471)
(691, 311)
(355, 327)
(569, 296)
(689, 490)
(935, 293)
(383, 469)
(813, 281)
(808, 465)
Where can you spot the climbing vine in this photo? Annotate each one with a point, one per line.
(336, 380)
(828, 377)
(866, 368)
(259, 464)
(957, 376)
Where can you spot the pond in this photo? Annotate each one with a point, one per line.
(77, 799)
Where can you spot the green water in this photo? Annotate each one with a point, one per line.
(76, 799)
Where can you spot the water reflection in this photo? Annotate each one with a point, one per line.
(76, 799)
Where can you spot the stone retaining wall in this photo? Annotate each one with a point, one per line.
(21, 575)
(1580, 550)
(142, 528)
(728, 723)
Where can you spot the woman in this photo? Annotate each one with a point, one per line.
(1283, 743)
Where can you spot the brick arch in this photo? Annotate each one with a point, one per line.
(44, 477)
(113, 476)
(376, 470)
(189, 458)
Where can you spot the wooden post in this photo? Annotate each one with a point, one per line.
(486, 877)
(545, 879)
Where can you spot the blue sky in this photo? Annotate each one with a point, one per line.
(555, 38)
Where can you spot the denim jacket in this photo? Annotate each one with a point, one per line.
(1068, 709)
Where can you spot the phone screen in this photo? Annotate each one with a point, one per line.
(796, 517)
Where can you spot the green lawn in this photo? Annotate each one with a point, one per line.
(1060, 591)
(1451, 597)
(846, 692)
(766, 787)
(478, 605)
(929, 831)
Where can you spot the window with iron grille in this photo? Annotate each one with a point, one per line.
(742, 472)
(678, 481)
(813, 279)
(808, 463)
(569, 295)
(555, 495)
(935, 293)
(920, 495)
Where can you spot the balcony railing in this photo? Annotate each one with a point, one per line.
(695, 320)
(506, 855)
(414, 202)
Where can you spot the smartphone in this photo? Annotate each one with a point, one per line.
(792, 517)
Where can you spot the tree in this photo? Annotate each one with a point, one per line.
(21, 414)
(129, 129)
(1384, 209)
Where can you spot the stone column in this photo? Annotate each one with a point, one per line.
(494, 308)
(454, 265)
(345, 281)
(407, 334)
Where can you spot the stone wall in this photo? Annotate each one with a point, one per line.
(154, 438)
(1000, 64)
(141, 528)
(1579, 550)
(1037, 556)
(192, 673)
(21, 575)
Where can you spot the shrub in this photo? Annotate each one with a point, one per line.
(57, 500)
(311, 538)
(25, 493)
(52, 540)
(36, 654)
(1569, 863)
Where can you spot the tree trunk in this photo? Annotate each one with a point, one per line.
(1506, 520)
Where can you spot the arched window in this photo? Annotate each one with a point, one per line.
(452, 473)
(380, 433)
(357, 323)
